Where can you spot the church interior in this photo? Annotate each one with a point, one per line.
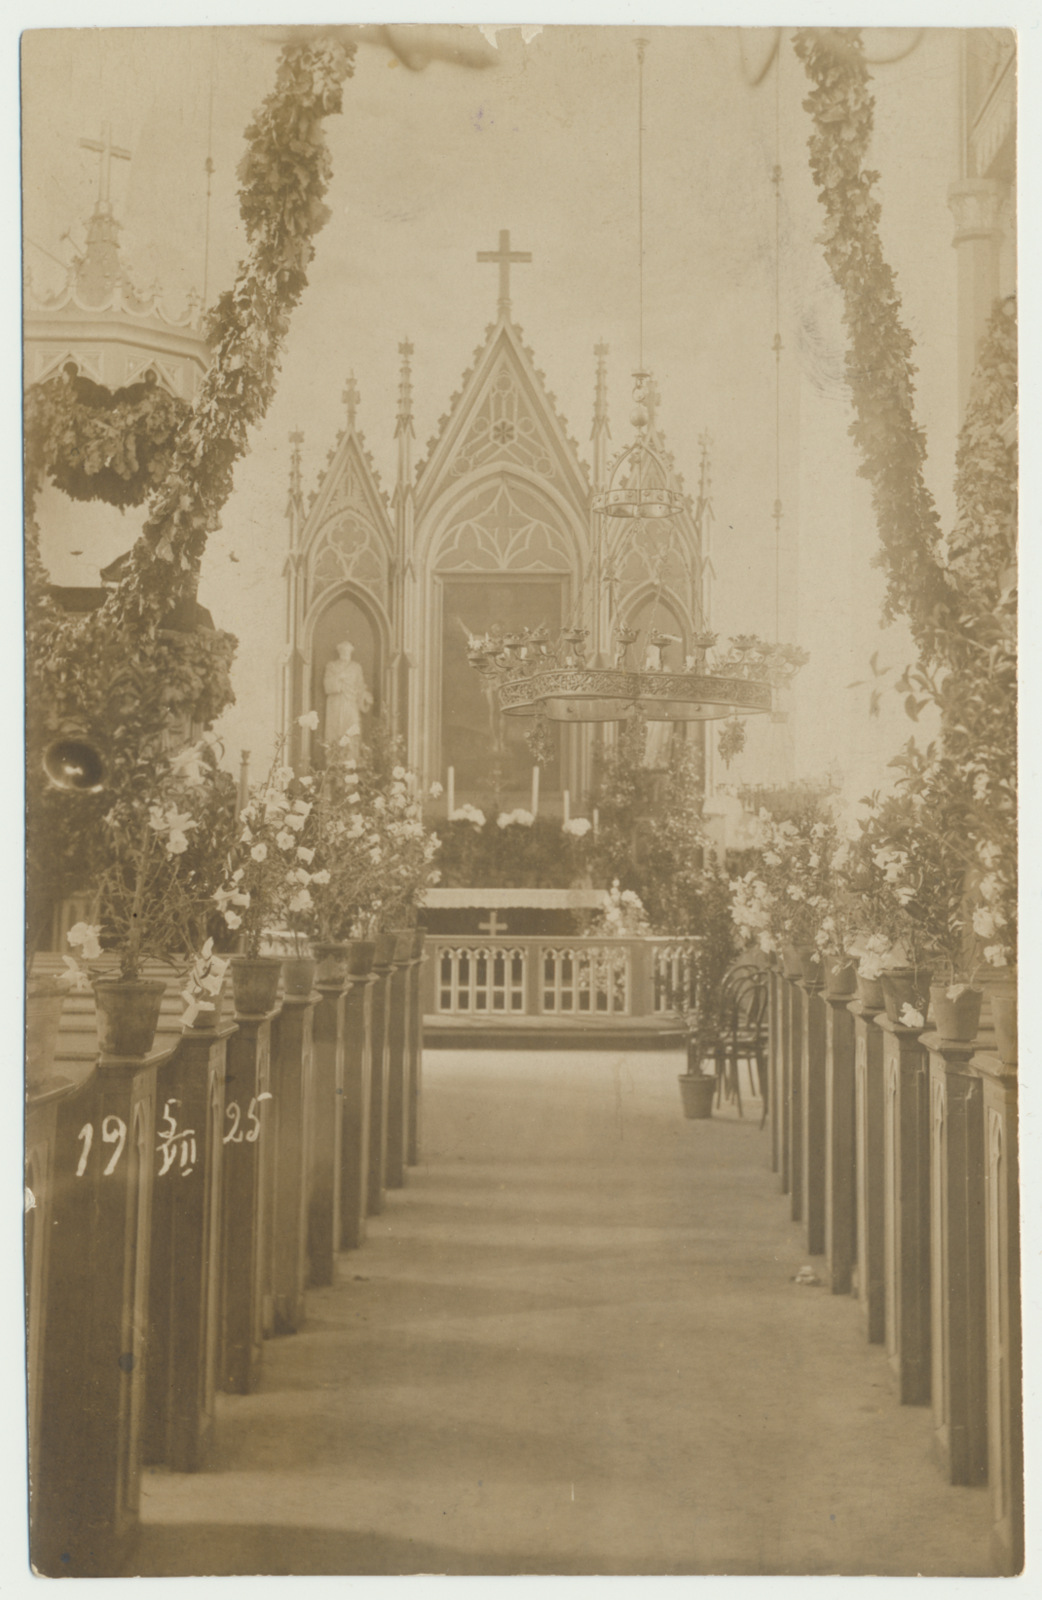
(571, 716)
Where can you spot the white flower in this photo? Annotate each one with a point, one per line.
(85, 937)
(285, 840)
(302, 807)
(985, 923)
(308, 720)
(233, 919)
(74, 979)
(240, 897)
(772, 858)
(435, 791)
(996, 955)
(520, 818)
(259, 852)
(911, 1017)
(301, 901)
(469, 814)
(188, 766)
(398, 772)
(579, 827)
(321, 877)
(191, 1010)
(305, 854)
(176, 843)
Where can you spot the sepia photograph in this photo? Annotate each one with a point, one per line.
(521, 810)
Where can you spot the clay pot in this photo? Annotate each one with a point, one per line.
(255, 984)
(792, 966)
(870, 993)
(840, 978)
(298, 976)
(210, 1021)
(128, 1014)
(906, 986)
(696, 1093)
(386, 944)
(957, 1020)
(331, 957)
(361, 957)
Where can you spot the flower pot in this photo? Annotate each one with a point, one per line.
(792, 966)
(360, 957)
(870, 993)
(331, 958)
(386, 944)
(403, 945)
(906, 986)
(1003, 998)
(210, 1021)
(43, 1014)
(812, 965)
(696, 1093)
(956, 1020)
(255, 984)
(298, 975)
(841, 978)
(128, 1014)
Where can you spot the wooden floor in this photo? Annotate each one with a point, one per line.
(572, 1345)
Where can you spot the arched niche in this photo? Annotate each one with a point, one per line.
(348, 615)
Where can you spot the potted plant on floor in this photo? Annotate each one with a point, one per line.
(697, 1087)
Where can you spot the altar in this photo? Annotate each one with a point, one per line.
(497, 912)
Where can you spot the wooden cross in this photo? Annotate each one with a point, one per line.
(493, 926)
(107, 150)
(351, 397)
(504, 256)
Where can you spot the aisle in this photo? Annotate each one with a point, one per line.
(572, 1344)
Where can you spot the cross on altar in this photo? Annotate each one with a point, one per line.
(107, 150)
(493, 926)
(504, 256)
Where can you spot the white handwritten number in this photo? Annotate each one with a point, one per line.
(113, 1131)
(235, 1136)
(254, 1133)
(86, 1133)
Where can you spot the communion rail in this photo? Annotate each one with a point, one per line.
(511, 987)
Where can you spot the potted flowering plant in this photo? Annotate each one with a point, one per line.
(267, 878)
(152, 901)
(697, 1087)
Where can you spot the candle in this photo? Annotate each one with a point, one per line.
(535, 791)
(450, 789)
(567, 806)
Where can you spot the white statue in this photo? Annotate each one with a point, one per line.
(347, 698)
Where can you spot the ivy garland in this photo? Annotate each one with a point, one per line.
(119, 671)
(879, 365)
(98, 445)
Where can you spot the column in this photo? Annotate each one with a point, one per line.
(184, 1297)
(355, 1112)
(957, 1286)
(326, 1130)
(383, 966)
(245, 1158)
(840, 1147)
(292, 1072)
(906, 1156)
(868, 1076)
(813, 1117)
(87, 1463)
(1003, 1321)
(976, 206)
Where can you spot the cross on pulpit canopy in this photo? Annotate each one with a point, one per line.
(493, 926)
(107, 150)
(504, 256)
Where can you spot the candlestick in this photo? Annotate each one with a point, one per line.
(535, 791)
(596, 819)
(450, 790)
(567, 806)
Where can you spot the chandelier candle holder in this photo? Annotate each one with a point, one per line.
(554, 681)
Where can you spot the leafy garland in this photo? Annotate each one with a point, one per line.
(98, 445)
(878, 362)
(957, 592)
(120, 671)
